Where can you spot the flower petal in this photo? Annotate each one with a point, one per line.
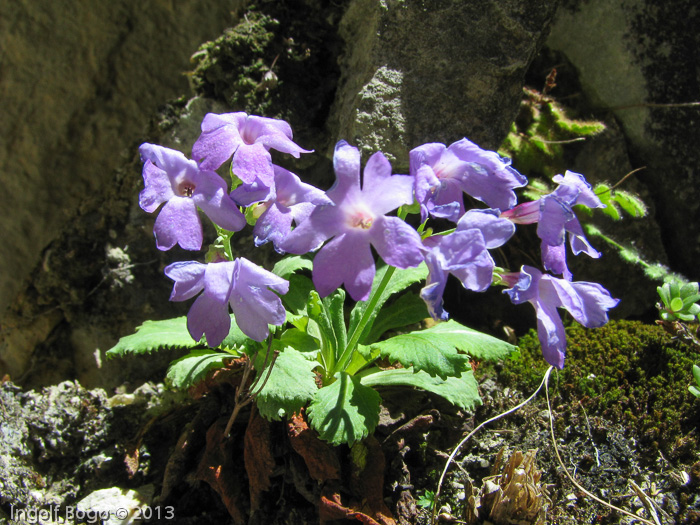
(169, 160)
(219, 139)
(554, 215)
(346, 164)
(274, 225)
(178, 223)
(434, 288)
(212, 198)
(323, 223)
(347, 259)
(588, 303)
(478, 275)
(207, 316)
(253, 301)
(496, 230)
(527, 287)
(271, 133)
(554, 260)
(188, 277)
(251, 162)
(489, 177)
(387, 194)
(578, 241)
(256, 191)
(585, 195)
(209, 313)
(291, 191)
(157, 187)
(551, 333)
(397, 243)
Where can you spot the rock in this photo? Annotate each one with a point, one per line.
(65, 442)
(80, 82)
(116, 506)
(434, 71)
(638, 61)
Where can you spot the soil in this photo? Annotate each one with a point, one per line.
(65, 443)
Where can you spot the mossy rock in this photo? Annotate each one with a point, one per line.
(627, 372)
(279, 61)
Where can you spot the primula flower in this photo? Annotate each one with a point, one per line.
(555, 218)
(170, 178)
(247, 288)
(248, 139)
(588, 303)
(290, 201)
(355, 220)
(443, 173)
(464, 254)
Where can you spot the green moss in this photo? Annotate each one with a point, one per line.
(232, 67)
(536, 139)
(279, 60)
(626, 371)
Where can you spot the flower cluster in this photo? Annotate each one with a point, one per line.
(343, 224)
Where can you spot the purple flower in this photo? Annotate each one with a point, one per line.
(588, 303)
(289, 201)
(443, 173)
(555, 218)
(247, 288)
(171, 178)
(248, 139)
(355, 220)
(464, 254)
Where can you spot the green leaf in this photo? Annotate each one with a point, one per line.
(674, 288)
(195, 366)
(400, 280)
(696, 374)
(317, 312)
(604, 193)
(689, 290)
(236, 338)
(291, 264)
(676, 304)
(291, 385)
(335, 310)
(345, 411)
(295, 300)
(462, 390)
(435, 350)
(407, 309)
(299, 340)
(155, 335)
(630, 203)
(664, 294)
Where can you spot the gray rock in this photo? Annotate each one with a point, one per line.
(65, 442)
(638, 60)
(434, 71)
(80, 82)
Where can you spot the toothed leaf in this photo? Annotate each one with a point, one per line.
(195, 366)
(290, 386)
(436, 350)
(462, 391)
(155, 335)
(346, 411)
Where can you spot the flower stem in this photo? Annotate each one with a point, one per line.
(346, 355)
(344, 358)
